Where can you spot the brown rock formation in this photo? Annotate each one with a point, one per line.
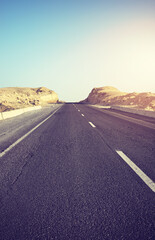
(15, 97)
(110, 96)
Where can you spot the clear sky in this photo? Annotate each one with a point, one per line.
(72, 46)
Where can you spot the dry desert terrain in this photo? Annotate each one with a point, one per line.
(110, 96)
(15, 97)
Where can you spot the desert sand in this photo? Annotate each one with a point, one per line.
(110, 96)
(15, 97)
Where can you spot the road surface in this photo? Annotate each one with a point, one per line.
(77, 173)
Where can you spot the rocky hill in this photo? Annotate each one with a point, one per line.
(110, 96)
(15, 97)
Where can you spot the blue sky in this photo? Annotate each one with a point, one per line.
(73, 46)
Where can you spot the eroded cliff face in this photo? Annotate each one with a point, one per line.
(15, 98)
(110, 96)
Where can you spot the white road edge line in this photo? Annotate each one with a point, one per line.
(92, 124)
(82, 115)
(137, 170)
(23, 137)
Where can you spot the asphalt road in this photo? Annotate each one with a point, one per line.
(66, 180)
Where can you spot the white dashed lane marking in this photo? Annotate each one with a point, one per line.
(134, 167)
(92, 124)
(137, 170)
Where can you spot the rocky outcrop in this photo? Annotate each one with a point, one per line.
(110, 96)
(16, 98)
